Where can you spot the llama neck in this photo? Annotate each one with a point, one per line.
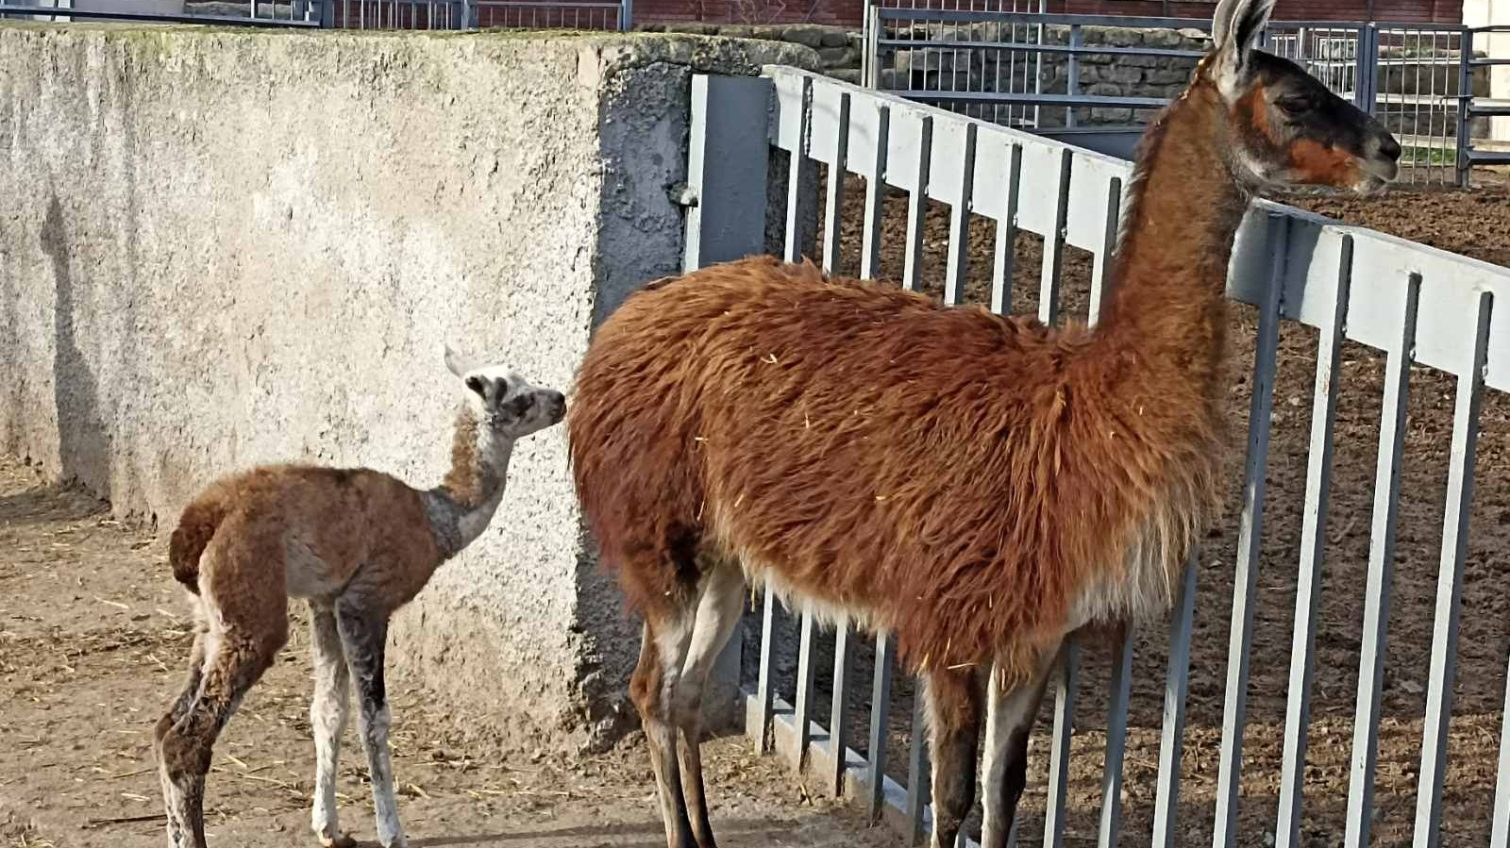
(464, 502)
(1169, 277)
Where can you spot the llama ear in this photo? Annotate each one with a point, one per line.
(1235, 30)
(458, 364)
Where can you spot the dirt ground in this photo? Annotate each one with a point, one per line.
(92, 640)
(1475, 223)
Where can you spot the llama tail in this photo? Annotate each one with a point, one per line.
(196, 527)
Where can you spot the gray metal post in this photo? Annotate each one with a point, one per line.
(1366, 71)
(626, 15)
(726, 176)
(1465, 105)
(726, 169)
(1072, 76)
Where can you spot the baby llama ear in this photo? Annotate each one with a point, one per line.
(458, 364)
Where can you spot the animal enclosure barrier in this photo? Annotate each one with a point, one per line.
(1099, 78)
(1412, 305)
(368, 14)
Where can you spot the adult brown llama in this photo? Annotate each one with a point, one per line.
(980, 486)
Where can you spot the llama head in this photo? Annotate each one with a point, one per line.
(504, 401)
(1287, 128)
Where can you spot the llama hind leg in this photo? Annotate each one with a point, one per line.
(184, 751)
(176, 711)
(1009, 723)
(653, 687)
(718, 610)
(954, 702)
(327, 716)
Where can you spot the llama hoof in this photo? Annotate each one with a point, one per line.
(335, 839)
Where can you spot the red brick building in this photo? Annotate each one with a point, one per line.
(849, 12)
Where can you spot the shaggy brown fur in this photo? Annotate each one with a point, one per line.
(979, 486)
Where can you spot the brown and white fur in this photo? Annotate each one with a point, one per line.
(356, 544)
(981, 487)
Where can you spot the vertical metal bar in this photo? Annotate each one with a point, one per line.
(917, 208)
(1102, 270)
(1444, 639)
(1072, 78)
(1059, 755)
(1004, 258)
(1381, 568)
(1038, 72)
(1116, 743)
(834, 202)
(1465, 102)
(1312, 552)
(1250, 533)
(875, 197)
(1053, 244)
(798, 179)
(1366, 67)
(918, 788)
(1499, 835)
(838, 714)
(1176, 687)
(959, 225)
(766, 696)
(727, 168)
(880, 717)
(806, 671)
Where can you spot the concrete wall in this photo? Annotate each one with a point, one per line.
(223, 248)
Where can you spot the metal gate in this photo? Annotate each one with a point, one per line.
(1418, 79)
(366, 14)
(1412, 306)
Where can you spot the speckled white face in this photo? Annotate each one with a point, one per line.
(507, 402)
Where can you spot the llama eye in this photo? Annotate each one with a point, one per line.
(1295, 104)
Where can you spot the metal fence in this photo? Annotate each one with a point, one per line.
(367, 14)
(1417, 78)
(1413, 306)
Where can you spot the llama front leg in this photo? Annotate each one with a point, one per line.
(327, 716)
(1009, 722)
(954, 714)
(364, 635)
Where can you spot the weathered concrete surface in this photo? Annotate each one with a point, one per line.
(223, 248)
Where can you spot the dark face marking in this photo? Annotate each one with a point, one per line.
(1298, 132)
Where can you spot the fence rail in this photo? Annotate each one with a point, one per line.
(368, 14)
(1416, 78)
(1413, 304)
